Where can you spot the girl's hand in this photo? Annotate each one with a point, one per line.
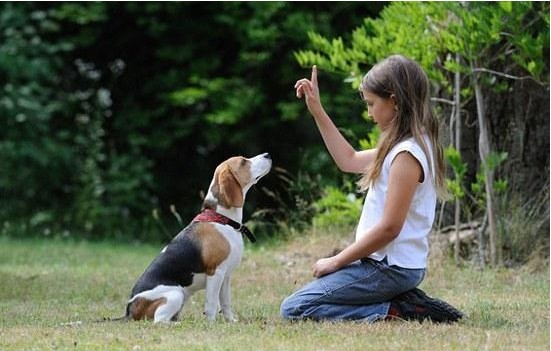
(325, 266)
(309, 89)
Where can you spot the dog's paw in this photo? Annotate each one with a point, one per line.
(230, 317)
(211, 317)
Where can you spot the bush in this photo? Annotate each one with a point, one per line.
(337, 209)
(292, 209)
(523, 224)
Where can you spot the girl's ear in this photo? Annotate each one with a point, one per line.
(393, 98)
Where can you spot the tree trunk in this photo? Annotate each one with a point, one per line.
(457, 104)
(484, 151)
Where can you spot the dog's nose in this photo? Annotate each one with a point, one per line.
(267, 155)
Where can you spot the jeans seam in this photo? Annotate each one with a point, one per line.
(329, 292)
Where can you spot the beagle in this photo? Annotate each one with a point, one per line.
(205, 253)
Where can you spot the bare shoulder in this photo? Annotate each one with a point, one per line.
(405, 165)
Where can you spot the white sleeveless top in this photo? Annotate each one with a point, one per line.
(410, 248)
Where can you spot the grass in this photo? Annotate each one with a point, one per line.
(45, 284)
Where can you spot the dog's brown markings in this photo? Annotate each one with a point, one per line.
(145, 309)
(214, 247)
(229, 179)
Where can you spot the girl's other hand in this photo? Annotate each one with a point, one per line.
(325, 266)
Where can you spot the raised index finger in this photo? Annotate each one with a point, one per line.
(314, 78)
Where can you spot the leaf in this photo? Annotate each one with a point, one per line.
(500, 186)
(188, 96)
(507, 6)
(531, 67)
(453, 157)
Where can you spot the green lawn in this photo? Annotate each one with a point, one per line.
(45, 284)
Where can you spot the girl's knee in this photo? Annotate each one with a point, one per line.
(289, 308)
(294, 306)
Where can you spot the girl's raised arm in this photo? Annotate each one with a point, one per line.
(345, 156)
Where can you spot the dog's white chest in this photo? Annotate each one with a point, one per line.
(226, 268)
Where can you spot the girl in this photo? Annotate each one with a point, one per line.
(376, 276)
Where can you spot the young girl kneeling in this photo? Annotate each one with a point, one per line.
(376, 276)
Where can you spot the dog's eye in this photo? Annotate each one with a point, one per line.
(243, 162)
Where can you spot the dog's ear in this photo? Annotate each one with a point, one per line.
(231, 194)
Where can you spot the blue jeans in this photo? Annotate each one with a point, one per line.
(360, 291)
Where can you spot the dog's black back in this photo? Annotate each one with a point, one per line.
(175, 266)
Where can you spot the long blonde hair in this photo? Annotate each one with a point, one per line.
(405, 79)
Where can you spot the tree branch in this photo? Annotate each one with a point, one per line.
(501, 74)
(445, 101)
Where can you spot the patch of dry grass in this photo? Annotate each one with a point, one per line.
(46, 284)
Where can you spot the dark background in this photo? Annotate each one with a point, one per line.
(111, 113)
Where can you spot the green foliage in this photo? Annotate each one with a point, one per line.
(523, 25)
(80, 14)
(59, 171)
(36, 138)
(453, 157)
(372, 139)
(100, 130)
(459, 168)
(294, 204)
(337, 209)
(494, 160)
(380, 37)
(477, 188)
(472, 29)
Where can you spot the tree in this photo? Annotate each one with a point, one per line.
(127, 108)
(489, 34)
(37, 134)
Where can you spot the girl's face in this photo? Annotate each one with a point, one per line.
(382, 110)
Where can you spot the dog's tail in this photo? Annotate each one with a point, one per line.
(103, 320)
(124, 318)
(109, 319)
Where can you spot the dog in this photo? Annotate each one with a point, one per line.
(205, 253)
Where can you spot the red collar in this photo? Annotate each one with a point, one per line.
(210, 215)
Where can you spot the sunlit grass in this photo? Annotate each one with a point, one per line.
(46, 284)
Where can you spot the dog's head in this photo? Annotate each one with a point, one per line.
(234, 177)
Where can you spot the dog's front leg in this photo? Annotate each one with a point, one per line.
(214, 284)
(225, 299)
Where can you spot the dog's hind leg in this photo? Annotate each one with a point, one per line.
(170, 309)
